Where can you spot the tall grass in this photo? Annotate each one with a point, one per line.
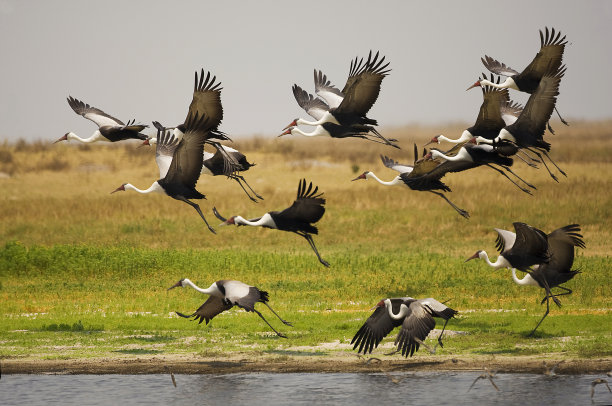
(81, 266)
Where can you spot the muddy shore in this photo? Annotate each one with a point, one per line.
(240, 363)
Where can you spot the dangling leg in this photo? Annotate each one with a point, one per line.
(529, 160)
(240, 178)
(550, 128)
(279, 317)
(460, 211)
(561, 118)
(544, 162)
(440, 336)
(197, 208)
(245, 191)
(264, 319)
(553, 162)
(567, 292)
(308, 238)
(518, 177)
(507, 177)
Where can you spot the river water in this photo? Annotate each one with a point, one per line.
(414, 388)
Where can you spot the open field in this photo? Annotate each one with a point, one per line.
(83, 274)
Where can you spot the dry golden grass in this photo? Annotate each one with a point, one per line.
(59, 194)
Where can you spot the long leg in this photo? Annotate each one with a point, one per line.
(245, 191)
(518, 177)
(440, 336)
(460, 211)
(386, 142)
(553, 162)
(561, 118)
(308, 238)
(240, 178)
(508, 177)
(529, 160)
(197, 208)
(546, 166)
(567, 292)
(264, 319)
(279, 317)
(547, 297)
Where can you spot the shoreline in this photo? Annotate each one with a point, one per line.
(340, 363)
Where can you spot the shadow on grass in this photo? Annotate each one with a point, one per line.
(155, 338)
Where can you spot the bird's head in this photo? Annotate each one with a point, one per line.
(473, 140)
(119, 189)
(434, 140)
(287, 131)
(63, 138)
(148, 141)
(292, 124)
(379, 304)
(476, 84)
(475, 256)
(229, 221)
(428, 156)
(179, 284)
(362, 176)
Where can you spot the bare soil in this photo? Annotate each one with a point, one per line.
(294, 362)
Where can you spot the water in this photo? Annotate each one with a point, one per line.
(415, 388)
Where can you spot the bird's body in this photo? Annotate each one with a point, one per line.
(179, 163)
(423, 175)
(346, 108)
(549, 58)
(415, 316)
(337, 131)
(496, 112)
(225, 294)
(110, 129)
(299, 218)
(215, 164)
(471, 155)
(558, 270)
(520, 250)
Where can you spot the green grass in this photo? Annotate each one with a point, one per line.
(100, 301)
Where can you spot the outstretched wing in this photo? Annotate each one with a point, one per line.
(211, 307)
(94, 114)
(189, 155)
(206, 99)
(497, 67)
(363, 85)
(308, 207)
(550, 57)
(415, 328)
(164, 150)
(510, 111)
(323, 87)
(530, 246)
(561, 243)
(504, 239)
(376, 327)
(396, 166)
(539, 107)
(489, 120)
(312, 105)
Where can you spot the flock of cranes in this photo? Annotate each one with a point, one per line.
(503, 131)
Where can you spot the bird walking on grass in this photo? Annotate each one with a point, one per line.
(225, 294)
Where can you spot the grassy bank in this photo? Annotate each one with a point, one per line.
(84, 273)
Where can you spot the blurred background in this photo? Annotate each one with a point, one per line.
(136, 60)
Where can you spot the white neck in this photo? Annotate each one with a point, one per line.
(465, 136)
(154, 188)
(527, 280)
(265, 220)
(507, 84)
(396, 181)
(327, 118)
(212, 290)
(500, 262)
(462, 155)
(95, 137)
(318, 131)
(402, 312)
